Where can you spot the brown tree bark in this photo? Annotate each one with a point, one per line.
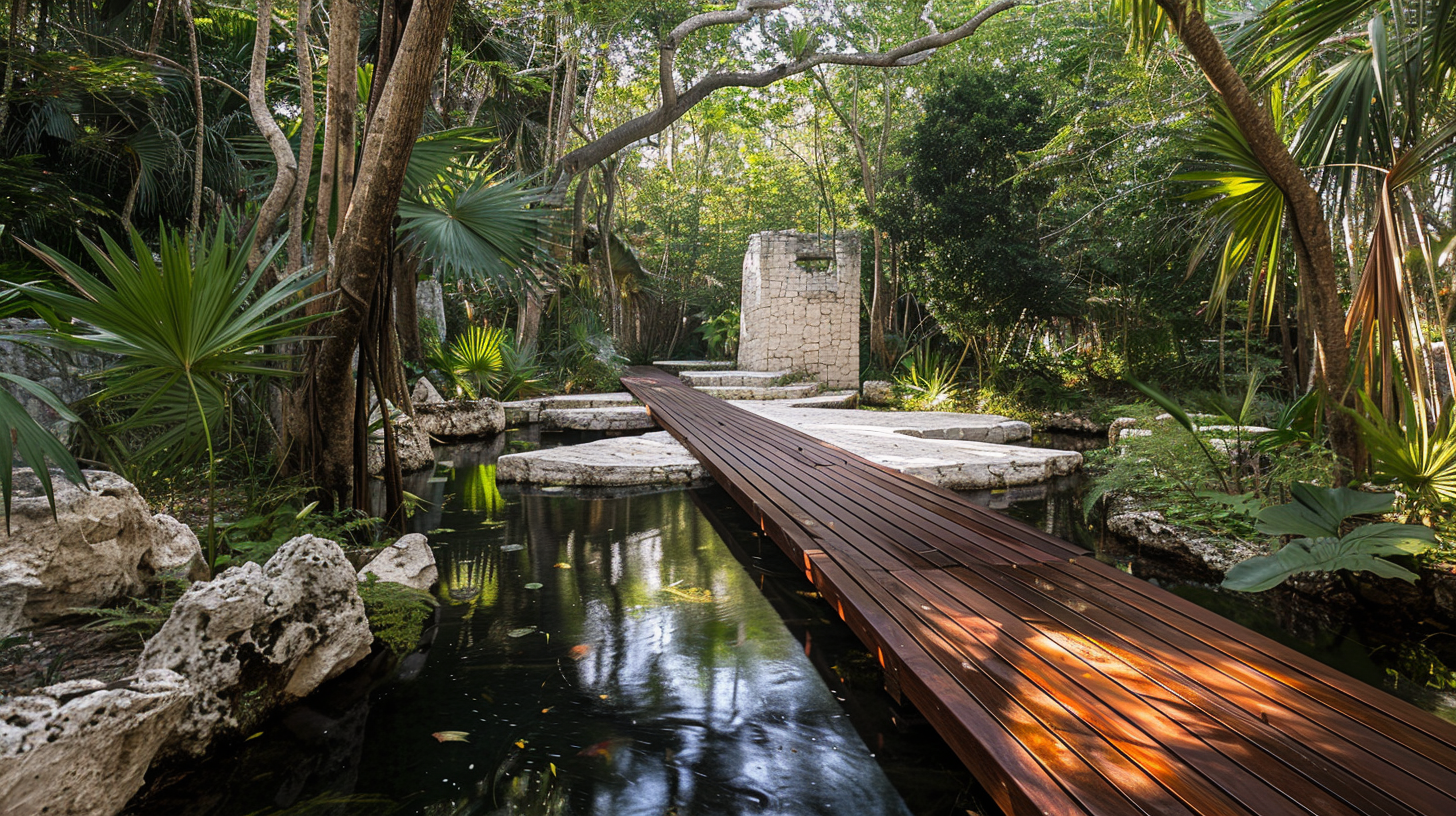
(361, 254)
(1313, 246)
(307, 127)
(341, 102)
(286, 163)
(199, 137)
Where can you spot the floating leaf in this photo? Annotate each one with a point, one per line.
(690, 594)
(452, 736)
(522, 632)
(561, 565)
(440, 531)
(520, 744)
(533, 585)
(580, 651)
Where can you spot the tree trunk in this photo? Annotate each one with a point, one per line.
(305, 137)
(286, 164)
(361, 252)
(341, 101)
(1313, 246)
(198, 121)
(407, 308)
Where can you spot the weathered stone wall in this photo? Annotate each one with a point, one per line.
(61, 372)
(801, 306)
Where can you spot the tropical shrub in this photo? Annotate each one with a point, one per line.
(928, 379)
(187, 327)
(720, 334)
(1417, 456)
(1317, 518)
(34, 444)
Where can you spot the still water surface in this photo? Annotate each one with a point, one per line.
(629, 652)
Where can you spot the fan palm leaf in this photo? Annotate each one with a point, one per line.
(478, 230)
(33, 443)
(1246, 217)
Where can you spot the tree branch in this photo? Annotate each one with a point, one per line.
(674, 104)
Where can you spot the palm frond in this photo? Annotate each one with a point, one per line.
(34, 444)
(481, 231)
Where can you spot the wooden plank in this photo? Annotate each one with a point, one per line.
(1065, 686)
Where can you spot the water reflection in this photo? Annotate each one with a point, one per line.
(598, 654)
(610, 656)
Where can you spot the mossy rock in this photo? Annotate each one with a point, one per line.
(397, 614)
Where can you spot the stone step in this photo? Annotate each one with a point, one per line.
(530, 410)
(733, 378)
(626, 418)
(679, 366)
(748, 392)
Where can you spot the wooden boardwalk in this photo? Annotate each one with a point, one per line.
(1066, 686)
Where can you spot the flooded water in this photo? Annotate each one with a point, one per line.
(631, 652)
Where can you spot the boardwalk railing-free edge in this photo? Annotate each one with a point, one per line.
(1064, 684)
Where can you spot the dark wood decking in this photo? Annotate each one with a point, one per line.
(1066, 686)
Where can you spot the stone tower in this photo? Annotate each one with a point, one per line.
(801, 306)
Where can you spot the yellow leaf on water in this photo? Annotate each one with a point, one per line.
(603, 696)
(451, 736)
(561, 565)
(520, 743)
(547, 709)
(253, 737)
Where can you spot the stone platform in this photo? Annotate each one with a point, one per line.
(679, 366)
(760, 379)
(958, 451)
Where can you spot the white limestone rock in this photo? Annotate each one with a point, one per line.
(408, 561)
(82, 748)
(102, 544)
(629, 418)
(877, 392)
(430, 306)
(257, 637)
(425, 393)
(175, 550)
(1149, 530)
(412, 444)
(654, 458)
(462, 419)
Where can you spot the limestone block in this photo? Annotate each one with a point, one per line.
(100, 546)
(175, 550)
(259, 636)
(82, 748)
(654, 458)
(877, 392)
(462, 419)
(425, 393)
(408, 561)
(413, 446)
(627, 418)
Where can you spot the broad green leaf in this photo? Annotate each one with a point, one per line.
(1318, 512)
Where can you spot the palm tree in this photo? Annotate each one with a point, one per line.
(186, 332)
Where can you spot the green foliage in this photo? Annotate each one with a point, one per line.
(720, 334)
(929, 380)
(257, 536)
(186, 331)
(1417, 456)
(476, 355)
(1316, 518)
(34, 444)
(478, 229)
(138, 616)
(967, 219)
(396, 613)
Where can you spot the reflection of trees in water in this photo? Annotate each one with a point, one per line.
(653, 641)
